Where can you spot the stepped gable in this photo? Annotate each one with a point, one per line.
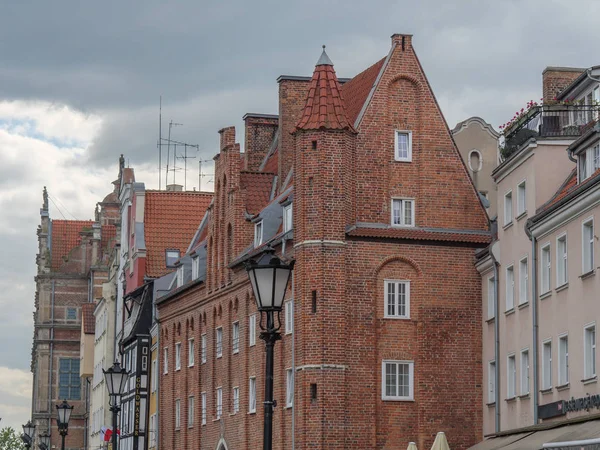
(324, 108)
(358, 88)
(65, 237)
(170, 222)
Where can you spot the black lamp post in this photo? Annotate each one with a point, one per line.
(64, 414)
(44, 441)
(116, 379)
(28, 430)
(269, 278)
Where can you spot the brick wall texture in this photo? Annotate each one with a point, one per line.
(341, 178)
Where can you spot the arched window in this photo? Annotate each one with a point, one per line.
(475, 160)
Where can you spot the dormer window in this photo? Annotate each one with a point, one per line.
(287, 218)
(403, 212)
(171, 257)
(195, 268)
(589, 162)
(258, 233)
(403, 146)
(180, 276)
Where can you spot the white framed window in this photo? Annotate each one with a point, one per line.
(492, 382)
(510, 287)
(589, 162)
(545, 268)
(203, 349)
(508, 208)
(165, 360)
(397, 299)
(289, 317)
(289, 391)
(236, 399)
(219, 342)
(191, 352)
(521, 198)
(195, 268)
(219, 410)
(288, 220)
(589, 351)
(525, 371)
(252, 395)
(523, 281)
(547, 364)
(583, 166)
(178, 356)
(563, 360)
(491, 295)
(561, 260)
(235, 337)
(397, 380)
(403, 212)
(177, 414)
(203, 399)
(171, 257)
(154, 375)
(152, 437)
(258, 233)
(180, 278)
(190, 411)
(511, 374)
(587, 234)
(252, 330)
(403, 146)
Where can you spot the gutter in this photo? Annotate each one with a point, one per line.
(535, 323)
(50, 372)
(496, 339)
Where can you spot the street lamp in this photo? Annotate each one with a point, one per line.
(116, 379)
(28, 430)
(44, 441)
(64, 414)
(269, 278)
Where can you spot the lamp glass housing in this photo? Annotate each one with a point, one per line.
(269, 278)
(64, 413)
(29, 429)
(116, 379)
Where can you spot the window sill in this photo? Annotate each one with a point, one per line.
(590, 380)
(251, 412)
(506, 226)
(398, 399)
(586, 275)
(395, 225)
(521, 215)
(546, 391)
(403, 160)
(177, 369)
(217, 419)
(562, 287)
(523, 305)
(389, 317)
(190, 426)
(177, 429)
(236, 352)
(511, 399)
(490, 320)
(219, 356)
(189, 367)
(489, 405)
(289, 406)
(545, 295)
(524, 396)
(232, 414)
(510, 311)
(562, 387)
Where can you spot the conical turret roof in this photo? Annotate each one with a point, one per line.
(324, 107)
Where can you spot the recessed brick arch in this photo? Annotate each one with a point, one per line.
(394, 258)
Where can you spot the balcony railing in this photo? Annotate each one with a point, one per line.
(568, 121)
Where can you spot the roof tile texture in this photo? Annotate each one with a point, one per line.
(357, 89)
(170, 222)
(258, 187)
(65, 237)
(567, 187)
(424, 235)
(324, 107)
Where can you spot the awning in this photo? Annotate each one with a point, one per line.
(565, 437)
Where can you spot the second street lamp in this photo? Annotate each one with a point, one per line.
(269, 278)
(116, 379)
(44, 441)
(64, 415)
(28, 430)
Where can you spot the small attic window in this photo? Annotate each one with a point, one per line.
(171, 257)
(195, 268)
(258, 233)
(180, 277)
(288, 223)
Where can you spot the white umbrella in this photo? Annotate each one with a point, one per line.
(440, 443)
(411, 446)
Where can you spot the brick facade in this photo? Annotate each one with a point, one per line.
(555, 79)
(344, 177)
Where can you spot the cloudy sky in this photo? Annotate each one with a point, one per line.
(80, 84)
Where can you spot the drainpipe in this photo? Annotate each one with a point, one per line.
(51, 355)
(158, 354)
(294, 366)
(570, 155)
(87, 408)
(496, 337)
(535, 324)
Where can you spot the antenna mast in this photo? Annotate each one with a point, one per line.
(159, 139)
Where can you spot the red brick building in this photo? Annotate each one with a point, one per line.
(361, 183)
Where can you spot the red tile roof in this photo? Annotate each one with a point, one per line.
(87, 318)
(357, 89)
(65, 237)
(422, 235)
(109, 233)
(170, 222)
(272, 163)
(324, 103)
(258, 187)
(569, 185)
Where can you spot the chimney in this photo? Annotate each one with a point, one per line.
(261, 129)
(174, 188)
(556, 79)
(403, 41)
(292, 99)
